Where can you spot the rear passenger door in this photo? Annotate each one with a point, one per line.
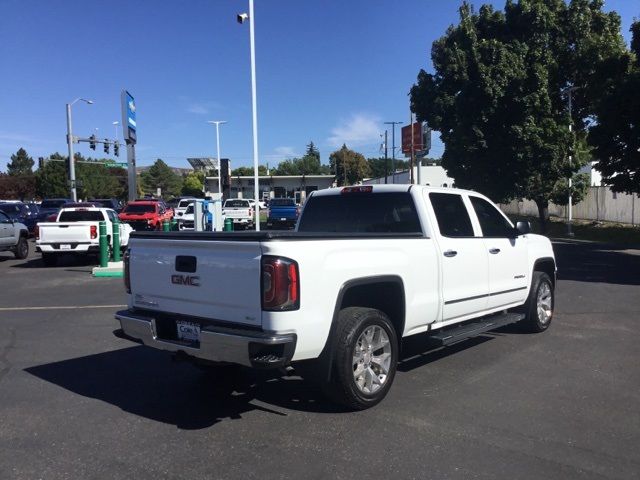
(6, 230)
(507, 252)
(465, 273)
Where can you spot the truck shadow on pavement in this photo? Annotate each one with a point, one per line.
(597, 262)
(148, 383)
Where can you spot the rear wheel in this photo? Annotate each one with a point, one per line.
(539, 307)
(22, 249)
(49, 259)
(365, 358)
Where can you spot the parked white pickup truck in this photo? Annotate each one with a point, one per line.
(76, 231)
(241, 211)
(366, 266)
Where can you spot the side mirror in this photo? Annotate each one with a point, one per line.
(523, 228)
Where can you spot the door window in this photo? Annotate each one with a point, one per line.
(451, 213)
(492, 222)
(4, 218)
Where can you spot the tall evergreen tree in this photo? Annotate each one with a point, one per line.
(160, 175)
(348, 166)
(21, 163)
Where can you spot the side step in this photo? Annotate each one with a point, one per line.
(455, 334)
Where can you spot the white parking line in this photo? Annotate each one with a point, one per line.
(71, 307)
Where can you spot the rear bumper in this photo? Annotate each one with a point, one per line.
(81, 248)
(217, 344)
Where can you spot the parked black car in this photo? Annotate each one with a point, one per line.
(22, 213)
(112, 203)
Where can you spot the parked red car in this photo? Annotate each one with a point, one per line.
(145, 215)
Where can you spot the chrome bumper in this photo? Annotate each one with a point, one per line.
(217, 344)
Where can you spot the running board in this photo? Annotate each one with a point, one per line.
(451, 335)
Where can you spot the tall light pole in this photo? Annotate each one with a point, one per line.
(393, 147)
(242, 17)
(115, 124)
(569, 92)
(72, 166)
(217, 124)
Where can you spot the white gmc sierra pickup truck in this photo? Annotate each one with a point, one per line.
(366, 266)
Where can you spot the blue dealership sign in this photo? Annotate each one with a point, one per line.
(129, 117)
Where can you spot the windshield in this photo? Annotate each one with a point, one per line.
(10, 208)
(282, 202)
(81, 216)
(139, 209)
(236, 204)
(189, 210)
(358, 213)
(52, 203)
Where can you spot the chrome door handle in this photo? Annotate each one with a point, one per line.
(450, 253)
(494, 250)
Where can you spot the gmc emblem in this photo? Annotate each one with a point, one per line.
(189, 280)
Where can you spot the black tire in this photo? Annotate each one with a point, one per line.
(542, 292)
(343, 388)
(49, 259)
(22, 249)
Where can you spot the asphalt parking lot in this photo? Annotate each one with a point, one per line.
(78, 403)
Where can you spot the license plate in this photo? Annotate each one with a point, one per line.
(188, 331)
(283, 219)
(65, 247)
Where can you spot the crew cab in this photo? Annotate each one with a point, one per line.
(145, 214)
(283, 212)
(76, 231)
(240, 211)
(13, 237)
(182, 206)
(366, 267)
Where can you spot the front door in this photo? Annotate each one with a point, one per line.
(6, 230)
(507, 253)
(465, 277)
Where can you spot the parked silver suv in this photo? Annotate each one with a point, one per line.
(13, 237)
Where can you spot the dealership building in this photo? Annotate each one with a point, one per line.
(270, 186)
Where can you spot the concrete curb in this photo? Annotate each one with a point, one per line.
(113, 269)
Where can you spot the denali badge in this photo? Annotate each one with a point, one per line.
(189, 280)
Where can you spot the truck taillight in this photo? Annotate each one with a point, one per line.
(36, 232)
(93, 230)
(280, 284)
(127, 274)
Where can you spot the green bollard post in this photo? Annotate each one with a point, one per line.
(165, 225)
(174, 224)
(115, 236)
(104, 245)
(228, 225)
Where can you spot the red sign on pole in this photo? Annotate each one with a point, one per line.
(416, 129)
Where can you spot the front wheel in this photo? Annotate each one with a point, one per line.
(22, 249)
(364, 359)
(538, 309)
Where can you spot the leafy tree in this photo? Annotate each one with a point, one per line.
(97, 181)
(193, 184)
(160, 175)
(380, 167)
(20, 187)
(21, 163)
(52, 179)
(247, 171)
(616, 135)
(348, 166)
(496, 94)
(309, 164)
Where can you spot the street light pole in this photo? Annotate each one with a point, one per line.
(393, 147)
(570, 206)
(72, 166)
(217, 124)
(115, 124)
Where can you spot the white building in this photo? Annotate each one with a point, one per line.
(433, 175)
(272, 186)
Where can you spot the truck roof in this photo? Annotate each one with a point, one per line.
(388, 188)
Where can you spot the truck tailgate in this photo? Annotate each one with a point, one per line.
(215, 280)
(232, 212)
(71, 232)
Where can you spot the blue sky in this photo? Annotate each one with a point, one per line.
(331, 71)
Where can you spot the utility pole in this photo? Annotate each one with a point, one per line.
(393, 147)
(570, 206)
(386, 158)
(72, 166)
(412, 158)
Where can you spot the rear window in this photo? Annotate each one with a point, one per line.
(184, 203)
(139, 209)
(236, 204)
(392, 212)
(81, 216)
(52, 203)
(282, 202)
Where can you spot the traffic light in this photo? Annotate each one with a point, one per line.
(106, 146)
(92, 142)
(116, 148)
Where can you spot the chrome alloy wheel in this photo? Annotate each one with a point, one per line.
(371, 359)
(544, 303)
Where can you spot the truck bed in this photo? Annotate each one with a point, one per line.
(268, 235)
